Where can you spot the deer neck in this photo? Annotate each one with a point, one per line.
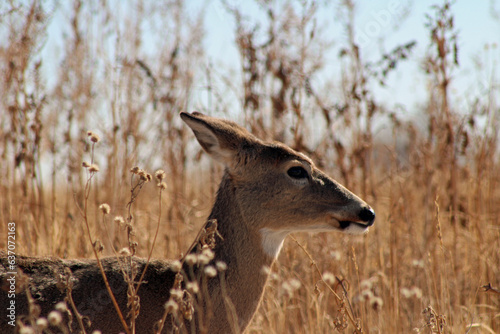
(241, 249)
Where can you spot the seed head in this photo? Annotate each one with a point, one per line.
(191, 259)
(291, 286)
(176, 266)
(367, 295)
(105, 209)
(417, 292)
(413, 292)
(135, 170)
(368, 283)
(61, 307)
(93, 168)
(95, 138)
(329, 278)
(193, 287)
(406, 292)
(418, 263)
(42, 323)
(203, 259)
(210, 271)
(26, 330)
(119, 220)
(376, 303)
(171, 306)
(221, 266)
(208, 253)
(295, 284)
(54, 318)
(160, 174)
(85, 164)
(162, 185)
(144, 176)
(176, 294)
(335, 255)
(125, 251)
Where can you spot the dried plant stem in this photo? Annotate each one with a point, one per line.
(489, 288)
(133, 297)
(94, 248)
(153, 244)
(230, 309)
(339, 299)
(104, 277)
(69, 299)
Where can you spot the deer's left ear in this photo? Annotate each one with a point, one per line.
(220, 138)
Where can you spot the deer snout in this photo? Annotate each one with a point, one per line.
(367, 215)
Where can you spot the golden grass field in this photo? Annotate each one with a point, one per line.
(431, 262)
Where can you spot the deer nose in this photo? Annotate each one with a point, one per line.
(367, 215)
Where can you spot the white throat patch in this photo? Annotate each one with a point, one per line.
(272, 241)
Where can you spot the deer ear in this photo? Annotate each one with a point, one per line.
(220, 138)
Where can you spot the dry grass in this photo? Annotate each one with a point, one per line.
(431, 263)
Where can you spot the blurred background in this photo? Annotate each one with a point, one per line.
(397, 100)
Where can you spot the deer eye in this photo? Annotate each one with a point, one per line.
(297, 173)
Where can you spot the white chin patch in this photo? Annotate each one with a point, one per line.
(355, 229)
(272, 241)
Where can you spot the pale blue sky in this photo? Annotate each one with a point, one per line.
(479, 33)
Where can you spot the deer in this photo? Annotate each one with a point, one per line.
(267, 191)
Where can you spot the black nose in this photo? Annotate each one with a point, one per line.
(367, 215)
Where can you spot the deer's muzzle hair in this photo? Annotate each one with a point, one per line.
(268, 190)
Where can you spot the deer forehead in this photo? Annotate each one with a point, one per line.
(277, 154)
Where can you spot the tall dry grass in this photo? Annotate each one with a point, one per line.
(431, 264)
